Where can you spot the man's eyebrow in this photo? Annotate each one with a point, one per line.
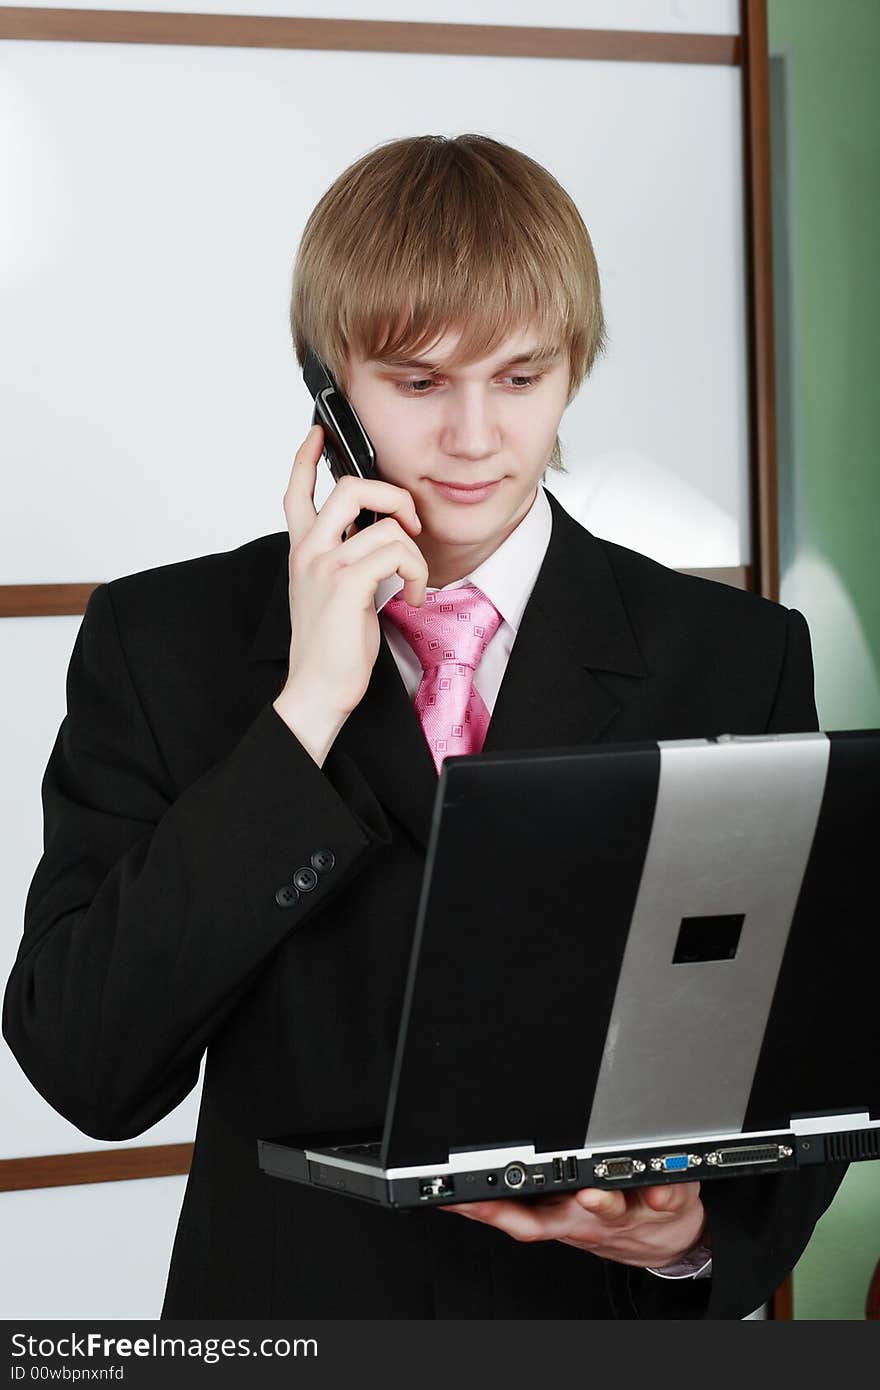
(522, 359)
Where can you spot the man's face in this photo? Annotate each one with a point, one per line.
(492, 422)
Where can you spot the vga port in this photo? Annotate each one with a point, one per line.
(618, 1168)
(675, 1163)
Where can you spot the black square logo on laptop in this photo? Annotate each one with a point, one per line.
(708, 938)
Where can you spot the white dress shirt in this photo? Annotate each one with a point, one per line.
(507, 578)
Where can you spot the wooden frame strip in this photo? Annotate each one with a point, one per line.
(43, 600)
(759, 297)
(782, 1302)
(366, 36)
(96, 1165)
(64, 600)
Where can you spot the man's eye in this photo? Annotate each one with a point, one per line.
(413, 388)
(410, 387)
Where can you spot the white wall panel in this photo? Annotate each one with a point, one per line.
(96, 1250)
(150, 398)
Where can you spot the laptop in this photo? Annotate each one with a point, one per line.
(632, 963)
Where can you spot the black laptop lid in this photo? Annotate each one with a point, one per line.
(506, 1013)
(534, 870)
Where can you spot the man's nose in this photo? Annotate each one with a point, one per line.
(470, 429)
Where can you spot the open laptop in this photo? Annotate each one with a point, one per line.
(632, 963)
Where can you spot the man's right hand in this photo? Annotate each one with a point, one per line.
(334, 572)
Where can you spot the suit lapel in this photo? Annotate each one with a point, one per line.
(573, 626)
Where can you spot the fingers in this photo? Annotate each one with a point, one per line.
(477, 1211)
(648, 1227)
(671, 1198)
(609, 1206)
(335, 522)
(299, 499)
(668, 1199)
(383, 536)
(350, 495)
(381, 562)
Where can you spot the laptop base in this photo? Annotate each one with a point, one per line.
(352, 1166)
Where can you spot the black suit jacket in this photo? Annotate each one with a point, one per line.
(176, 802)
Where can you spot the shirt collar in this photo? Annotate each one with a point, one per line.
(508, 575)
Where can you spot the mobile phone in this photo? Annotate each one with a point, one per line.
(347, 446)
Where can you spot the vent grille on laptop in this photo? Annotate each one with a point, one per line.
(857, 1143)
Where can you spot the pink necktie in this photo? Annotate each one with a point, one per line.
(449, 634)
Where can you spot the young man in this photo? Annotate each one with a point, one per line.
(238, 802)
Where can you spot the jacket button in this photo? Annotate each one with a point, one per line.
(287, 896)
(305, 880)
(322, 860)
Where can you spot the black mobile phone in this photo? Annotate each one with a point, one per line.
(347, 446)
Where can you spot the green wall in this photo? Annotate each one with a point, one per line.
(826, 208)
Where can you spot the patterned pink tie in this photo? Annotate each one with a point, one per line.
(449, 634)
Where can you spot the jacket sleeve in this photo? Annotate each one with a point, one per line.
(758, 1226)
(149, 916)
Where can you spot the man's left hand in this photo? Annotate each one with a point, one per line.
(648, 1226)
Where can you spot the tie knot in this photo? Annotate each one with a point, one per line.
(452, 625)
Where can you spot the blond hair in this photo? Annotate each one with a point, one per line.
(429, 233)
